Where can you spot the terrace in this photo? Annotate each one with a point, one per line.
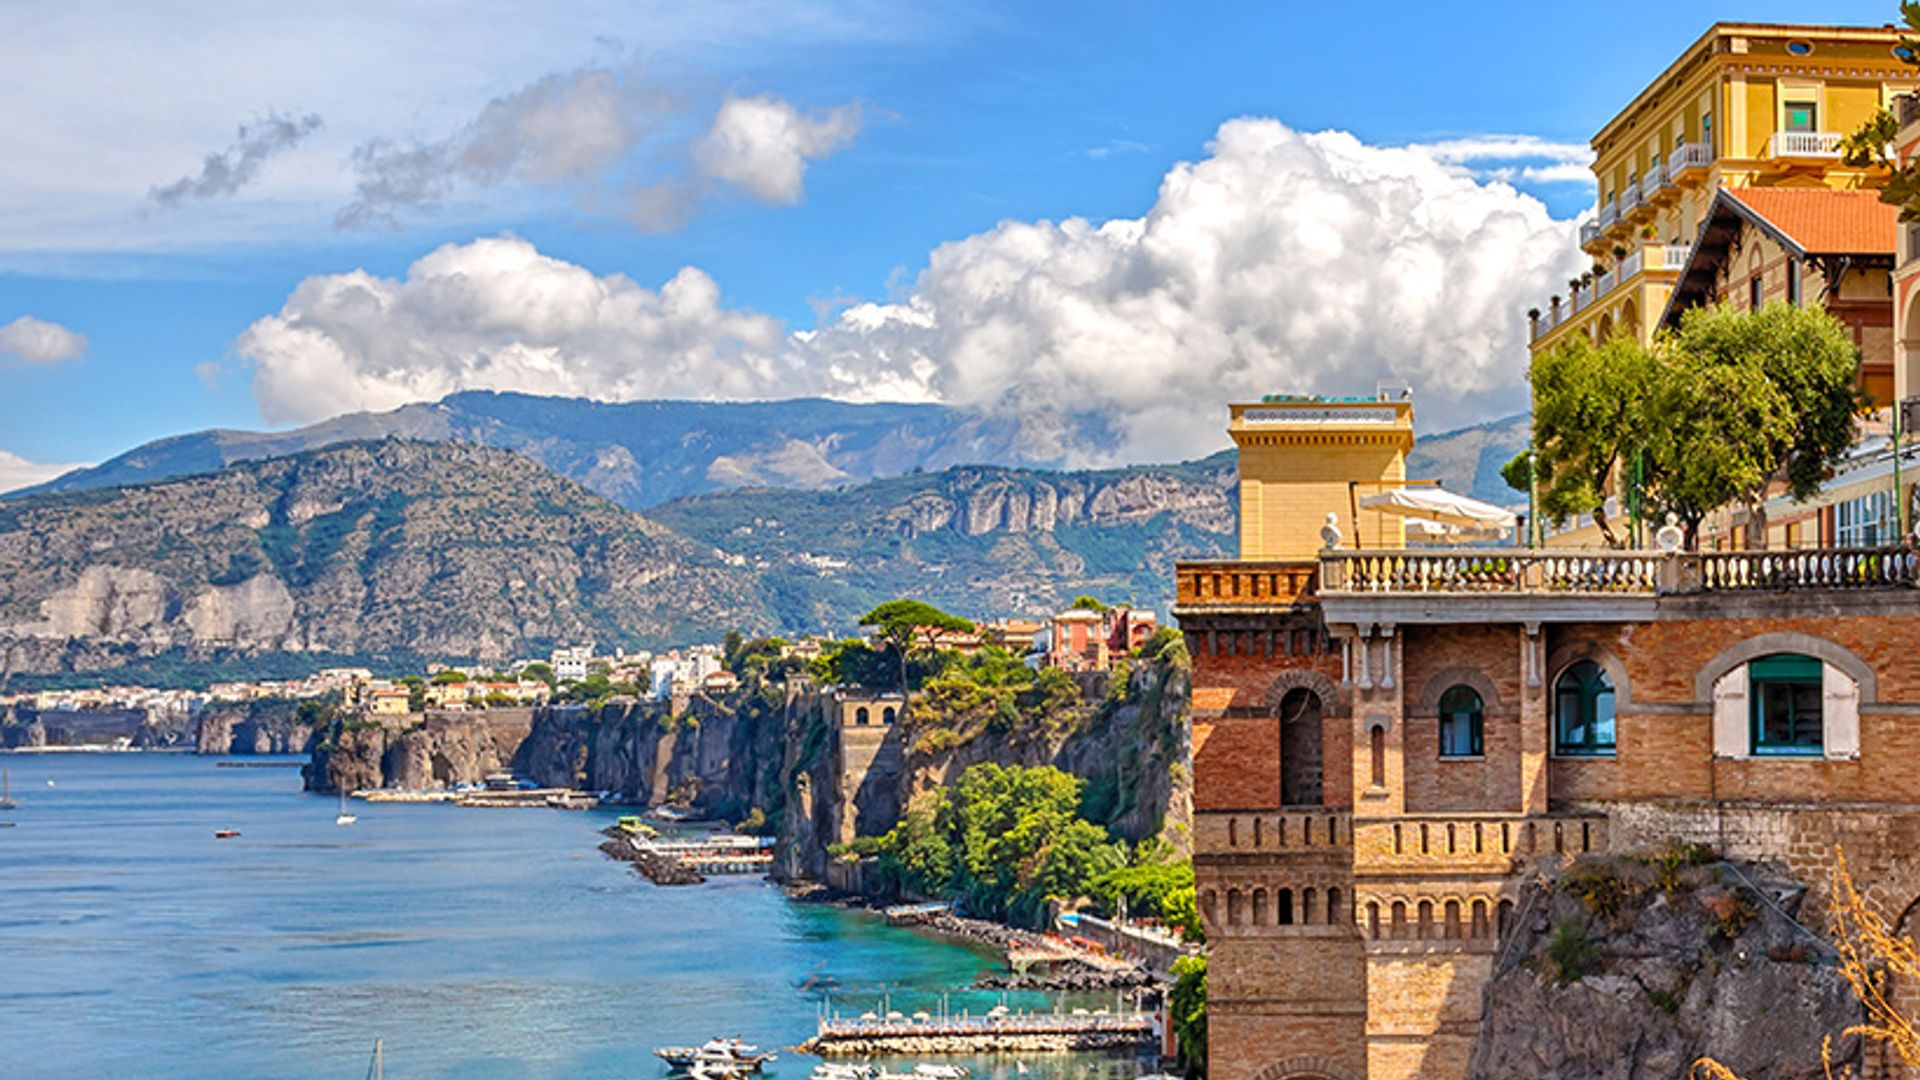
(1226, 585)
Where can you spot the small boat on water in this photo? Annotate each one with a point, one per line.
(845, 1070)
(344, 818)
(225, 834)
(942, 1072)
(715, 1058)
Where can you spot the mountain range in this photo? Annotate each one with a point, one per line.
(497, 525)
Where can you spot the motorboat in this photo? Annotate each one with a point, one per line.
(225, 834)
(722, 1057)
(942, 1072)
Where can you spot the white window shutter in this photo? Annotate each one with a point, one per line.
(1730, 714)
(1840, 713)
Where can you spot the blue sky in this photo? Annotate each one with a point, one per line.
(862, 138)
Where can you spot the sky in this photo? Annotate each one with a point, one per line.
(1103, 219)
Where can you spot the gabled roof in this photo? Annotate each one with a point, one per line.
(1809, 223)
(1821, 221)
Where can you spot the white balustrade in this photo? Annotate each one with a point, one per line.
(1803, 144)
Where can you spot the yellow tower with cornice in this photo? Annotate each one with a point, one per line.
(1303, 457)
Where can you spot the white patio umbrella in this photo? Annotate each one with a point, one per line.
(1459, 515)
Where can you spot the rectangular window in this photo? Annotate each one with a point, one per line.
(1802, 116)
(1863, 522)
(1706, 130)
(1756, 292)
(1785, 691)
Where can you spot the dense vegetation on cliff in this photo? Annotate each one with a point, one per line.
(1005, 840)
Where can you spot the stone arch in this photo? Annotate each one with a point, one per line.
(1236, 904)
(1603, 329)
(860, 716)
(1334, 916)
(1303, 1067)
(1306, 905)
(1630, 319)
(887, 715)
(1761, 645)
(1572, 653)
(1428, 703)
(1305, 679)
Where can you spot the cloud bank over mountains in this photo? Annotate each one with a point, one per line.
(1280, 261)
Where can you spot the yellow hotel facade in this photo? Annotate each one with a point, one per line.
(1746, 105)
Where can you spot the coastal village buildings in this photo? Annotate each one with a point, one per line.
(1388, 740)
(1086, 639)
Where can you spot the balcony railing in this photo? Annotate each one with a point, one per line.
(1630, 198)
(1803, 144)
(1609, 213)
(1589, 232)
(1687, 157)
(1616, 572)
(1667, 256)
(1655, 179)
(1630, 265)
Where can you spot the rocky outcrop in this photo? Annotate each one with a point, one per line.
(141, 729)
(256, 727)
(721, 755)
(1626, 969)
(417, 752)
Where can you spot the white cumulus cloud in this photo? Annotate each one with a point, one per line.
(1280, 261)
(497, 314)
(761, 145)
(17, 472)
(38, 341)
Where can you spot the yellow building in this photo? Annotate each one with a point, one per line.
(1303, 457)
(1744, 106)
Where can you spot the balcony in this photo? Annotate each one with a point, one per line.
(1792, 145)
(1688, 162)
(1514, 571)
(1589, 232)
(1609, 214)
(1644, 257)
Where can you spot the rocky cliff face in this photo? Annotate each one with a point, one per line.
(721, 755)
(389, 548)
(254, 727)
(417, 753)
(1632, 970)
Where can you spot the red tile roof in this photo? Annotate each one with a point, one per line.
(1822, 221)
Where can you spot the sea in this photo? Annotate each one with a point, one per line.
(473, 943)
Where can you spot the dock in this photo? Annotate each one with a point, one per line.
(964, 1034)
(689, 862)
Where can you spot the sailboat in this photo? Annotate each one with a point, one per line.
(344, 818)
(6, 790)
(376, 1069)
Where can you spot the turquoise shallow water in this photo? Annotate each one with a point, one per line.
(477, 943)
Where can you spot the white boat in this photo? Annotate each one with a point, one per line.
(719, 1057)
(942, 1072)
(344, 818)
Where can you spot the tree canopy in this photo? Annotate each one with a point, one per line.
(1004, 840)
(1718, 410)
(903, 624)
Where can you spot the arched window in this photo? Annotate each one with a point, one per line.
(886, 715)
(1785, 693)
(1583, 711)
(1461, 723)
(860, 716)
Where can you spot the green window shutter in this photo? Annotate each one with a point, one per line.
(1785, 668)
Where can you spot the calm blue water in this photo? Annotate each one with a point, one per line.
(477, 943)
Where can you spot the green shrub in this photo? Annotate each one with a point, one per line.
(1572, 952)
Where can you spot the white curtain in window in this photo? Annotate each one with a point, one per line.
(1840, 713)
(1730, 716)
